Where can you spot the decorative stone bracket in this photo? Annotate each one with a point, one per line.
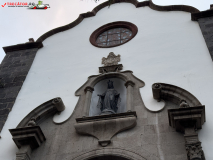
(106, 126)
(27, 139)
(189, 117)
(182, 118)
(188, 120)
(28, 135)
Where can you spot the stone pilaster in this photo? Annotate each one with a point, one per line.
(193, 145)
(24, 153)
(88, 91)
(129, 99)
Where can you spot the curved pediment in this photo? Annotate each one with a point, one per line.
(105, 4)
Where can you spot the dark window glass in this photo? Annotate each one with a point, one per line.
(114, 37)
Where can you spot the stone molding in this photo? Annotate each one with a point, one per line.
(182, 118)
(173, 8)
(43, 111)
(105, 4)
(113, 68)
(104, 127)
(32, 136)
(23, 46)
(90, 89)
(203, 14)
(129, 83)
(168, 92)
(93, 80)
(120, 152)
(27, 139)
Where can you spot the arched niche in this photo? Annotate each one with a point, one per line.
(100, 88)
(126, 78)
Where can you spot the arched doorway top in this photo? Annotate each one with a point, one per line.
(123, 154)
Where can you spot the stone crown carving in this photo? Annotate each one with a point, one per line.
(111, 63)
(111, 59)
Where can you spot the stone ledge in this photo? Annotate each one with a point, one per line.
(22, 46)
(113, 68)
(106, 117)
(182, 118)
(204, 14)
(104, 127)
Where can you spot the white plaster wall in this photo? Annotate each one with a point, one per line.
(168, 48)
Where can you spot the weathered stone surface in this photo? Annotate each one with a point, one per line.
(151, 139)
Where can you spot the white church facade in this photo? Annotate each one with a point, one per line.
(129, 82)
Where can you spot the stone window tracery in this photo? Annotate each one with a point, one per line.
(114, 37)
(113, 34)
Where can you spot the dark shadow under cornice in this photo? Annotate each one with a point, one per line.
(105, 4)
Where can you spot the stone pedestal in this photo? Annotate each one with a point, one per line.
(188, 120)
(104, 127)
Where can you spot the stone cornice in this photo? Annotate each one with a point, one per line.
(43, 111)
(203, 14)
(105, 4)
(22, 46)
(174, 94)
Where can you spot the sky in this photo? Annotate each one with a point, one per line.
(18, 24)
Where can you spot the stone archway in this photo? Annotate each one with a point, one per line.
(108, 157)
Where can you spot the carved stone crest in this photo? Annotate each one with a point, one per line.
(111, 63)
(111, 59)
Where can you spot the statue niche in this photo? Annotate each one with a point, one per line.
(109, 101)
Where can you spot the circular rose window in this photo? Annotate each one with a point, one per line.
(113, 34)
